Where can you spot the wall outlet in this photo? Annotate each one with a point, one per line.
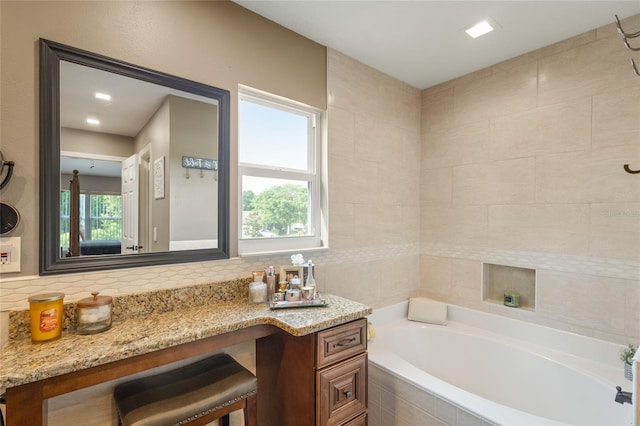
(9, 254)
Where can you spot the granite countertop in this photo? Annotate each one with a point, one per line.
(25, 362)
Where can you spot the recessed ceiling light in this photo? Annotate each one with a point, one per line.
(103, 96)
(481, 28)
(93, 121)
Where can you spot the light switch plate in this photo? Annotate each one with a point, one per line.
(10, 254)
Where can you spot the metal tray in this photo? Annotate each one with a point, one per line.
(283, 304)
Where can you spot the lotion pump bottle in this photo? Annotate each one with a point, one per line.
(271, 283)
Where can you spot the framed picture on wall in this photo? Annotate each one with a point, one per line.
(158, 178)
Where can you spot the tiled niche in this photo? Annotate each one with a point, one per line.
(500, 279)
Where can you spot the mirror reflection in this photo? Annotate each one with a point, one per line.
(126, 138)
(134, 161)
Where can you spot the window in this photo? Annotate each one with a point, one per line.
(100, 217)
(279, 164)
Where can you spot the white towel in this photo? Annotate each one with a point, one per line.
(426, 310)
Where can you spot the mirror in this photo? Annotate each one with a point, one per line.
(151, 156)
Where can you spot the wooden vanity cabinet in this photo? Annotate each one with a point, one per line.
(318, 379)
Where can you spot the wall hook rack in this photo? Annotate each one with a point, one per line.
(628, 170)
(8, 164)
(626, 43)
(623, 33)
(625, 39)
(635, 68)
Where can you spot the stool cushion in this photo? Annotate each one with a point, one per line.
(181, 395)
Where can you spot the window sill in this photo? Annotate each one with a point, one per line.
(283, 252)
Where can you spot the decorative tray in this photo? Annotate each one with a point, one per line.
(283, 304)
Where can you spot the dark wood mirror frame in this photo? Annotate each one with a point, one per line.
(51, 53)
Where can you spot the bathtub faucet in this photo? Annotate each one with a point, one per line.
(622, 396)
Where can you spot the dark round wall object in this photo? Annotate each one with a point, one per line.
(9, 218)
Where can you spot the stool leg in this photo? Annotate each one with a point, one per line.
(251, 411)
(224, 420)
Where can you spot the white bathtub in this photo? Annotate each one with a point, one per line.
(503, 371)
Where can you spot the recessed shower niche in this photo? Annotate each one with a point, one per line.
(509, 285)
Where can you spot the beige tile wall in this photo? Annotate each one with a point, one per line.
(374, 183)
(522, 161)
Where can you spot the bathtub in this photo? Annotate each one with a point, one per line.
(487, 368)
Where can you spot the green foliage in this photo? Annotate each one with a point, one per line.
(276, 209)
(627, 354)
(106, 206)
(252, 225)
(247, 200)
(104, 223)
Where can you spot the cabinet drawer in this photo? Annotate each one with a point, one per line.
(358, 421)
(341, 342)
(342, 391)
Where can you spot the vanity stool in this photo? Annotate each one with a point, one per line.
(194, 394)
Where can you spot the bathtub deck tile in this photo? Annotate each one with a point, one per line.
(405, 411)
(446, 411)
(426, 401)
(395, 402)
(423, 418)
(407, 392)
(374, 417)
(388, 417)
(375, 398)
(465, 418)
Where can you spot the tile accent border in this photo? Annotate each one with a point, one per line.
(14, 292)
(614, 268)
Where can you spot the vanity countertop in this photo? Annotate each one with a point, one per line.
(25, 362)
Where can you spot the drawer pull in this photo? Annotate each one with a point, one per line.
(345, 342)
(347, 394)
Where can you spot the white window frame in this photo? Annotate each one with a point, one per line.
(247, 246)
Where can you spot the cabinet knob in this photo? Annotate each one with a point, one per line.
(347, 394)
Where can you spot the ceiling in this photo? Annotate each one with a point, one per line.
(133, 102)
(423, 43)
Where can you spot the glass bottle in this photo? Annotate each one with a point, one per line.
(311, 282)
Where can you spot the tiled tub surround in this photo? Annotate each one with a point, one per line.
(541, 376)
(522, 165)
(160, 320)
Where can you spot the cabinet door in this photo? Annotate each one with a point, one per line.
(342, 391)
